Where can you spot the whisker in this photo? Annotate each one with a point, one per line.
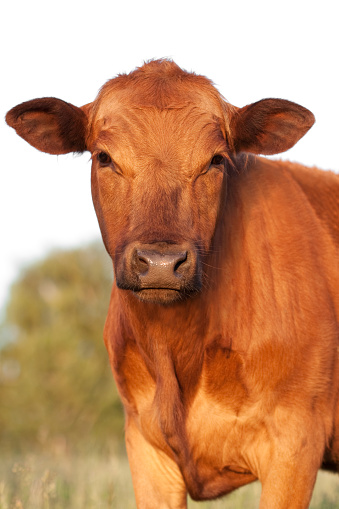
(212, 266)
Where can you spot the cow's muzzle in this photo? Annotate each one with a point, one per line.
(160, 272)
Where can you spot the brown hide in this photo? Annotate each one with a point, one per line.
(222, 330)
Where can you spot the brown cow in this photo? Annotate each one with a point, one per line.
(222, 330)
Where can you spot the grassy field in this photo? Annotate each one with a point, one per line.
(94, 482)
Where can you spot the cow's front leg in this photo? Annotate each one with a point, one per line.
(157, 480)
(287, 488)
(290, 472)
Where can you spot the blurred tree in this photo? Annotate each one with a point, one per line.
(56, 386)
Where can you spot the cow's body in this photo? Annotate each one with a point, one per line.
(246, 366)
(222, 330)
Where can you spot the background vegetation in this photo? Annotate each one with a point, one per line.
(61, 421)
(56, 387)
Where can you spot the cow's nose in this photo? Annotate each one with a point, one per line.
(161, 270)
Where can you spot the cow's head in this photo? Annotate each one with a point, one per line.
(162, 142)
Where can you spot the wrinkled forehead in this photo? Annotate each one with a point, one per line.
(160, 91)
(167, 119)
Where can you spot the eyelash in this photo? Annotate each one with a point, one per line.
(217, 160)
(104, 159)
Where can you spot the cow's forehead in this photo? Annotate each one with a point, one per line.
(136, 135)
(187, 132)
(188, 121)
(161, 85)
(132, 100)
(159, 110)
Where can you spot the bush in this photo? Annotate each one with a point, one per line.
(56, 387)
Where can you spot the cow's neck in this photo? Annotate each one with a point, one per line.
(170, 339)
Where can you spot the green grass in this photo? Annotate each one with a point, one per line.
(94, 482)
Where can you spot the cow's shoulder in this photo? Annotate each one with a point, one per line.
(322, 191)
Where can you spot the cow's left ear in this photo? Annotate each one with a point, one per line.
(50, 125)
(269, 126)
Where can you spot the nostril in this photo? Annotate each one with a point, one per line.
(142, 265)
(180, 262)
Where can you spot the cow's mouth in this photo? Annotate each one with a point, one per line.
(160, 295)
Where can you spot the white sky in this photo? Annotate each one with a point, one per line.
(250, 49)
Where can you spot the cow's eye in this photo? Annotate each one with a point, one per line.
(104, 159)
(217, 160)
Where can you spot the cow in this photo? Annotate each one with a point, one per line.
(222, 329)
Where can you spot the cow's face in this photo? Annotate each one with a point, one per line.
(158, 179)
(162, 141)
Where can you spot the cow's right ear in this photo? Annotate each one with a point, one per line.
(50, 125)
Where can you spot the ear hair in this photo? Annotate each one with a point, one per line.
(50, 125)
(269, 126)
